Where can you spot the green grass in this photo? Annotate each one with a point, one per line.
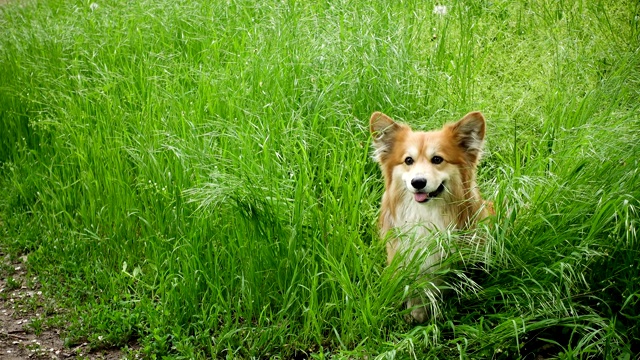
(197, 177)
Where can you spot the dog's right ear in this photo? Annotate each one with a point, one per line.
(384, 130)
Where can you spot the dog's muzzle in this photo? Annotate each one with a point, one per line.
(423, 196)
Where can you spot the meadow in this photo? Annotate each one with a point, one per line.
(196, 177)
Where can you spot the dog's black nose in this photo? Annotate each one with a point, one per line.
(419, 183)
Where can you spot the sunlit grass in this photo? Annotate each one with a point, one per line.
(197, 177)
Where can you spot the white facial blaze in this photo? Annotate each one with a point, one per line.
(422, 168)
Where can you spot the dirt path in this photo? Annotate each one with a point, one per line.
(30, 324)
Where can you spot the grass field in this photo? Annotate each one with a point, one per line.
(196, 177)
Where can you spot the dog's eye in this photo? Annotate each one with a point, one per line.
(437, 160)
(408, 160)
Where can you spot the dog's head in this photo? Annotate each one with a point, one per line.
(427, 164)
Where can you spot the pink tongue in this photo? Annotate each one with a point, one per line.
(420, 197)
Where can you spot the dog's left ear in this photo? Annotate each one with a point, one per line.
(469, 133)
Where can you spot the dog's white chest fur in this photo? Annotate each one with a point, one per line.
(418, 228)
(431, 216)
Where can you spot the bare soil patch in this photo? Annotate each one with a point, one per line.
(30, 323)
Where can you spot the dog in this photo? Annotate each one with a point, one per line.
(430, 187)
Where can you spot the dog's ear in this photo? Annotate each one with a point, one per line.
(469, 134)
(384, 130)
(381, 124)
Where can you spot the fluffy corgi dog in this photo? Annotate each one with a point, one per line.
(430, 186)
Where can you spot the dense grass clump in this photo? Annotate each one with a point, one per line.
(196, 176)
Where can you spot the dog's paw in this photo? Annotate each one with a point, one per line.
(419, 313)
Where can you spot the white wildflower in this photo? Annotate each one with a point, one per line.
(440, 10)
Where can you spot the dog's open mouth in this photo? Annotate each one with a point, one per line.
(423, 197)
